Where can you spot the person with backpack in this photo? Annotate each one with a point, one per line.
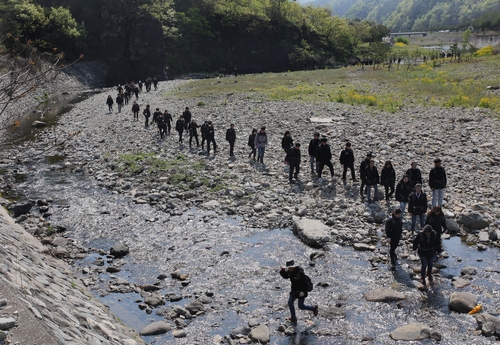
(417, 207)
(403, 190)
(301, 285)
(393, 231)
(388, 179)
(427, 245)
(437, 220)
(251, 143)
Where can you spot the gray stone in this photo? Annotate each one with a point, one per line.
(493, 235)
(195, 307)
(179, 333)
(452, 225)
(484, 236)
(302, 211)
(462, 302)
(475, 221)
(253, 323)
(485, 318)
(384, 295)
(6, 323)
(459, 283)
(311, 231)
(379, 217)
(158, 327)
(211, 204)
(332, 313)
(468, 271)
(363, 247)
(119, 250)
(238, 331)
(488, 329)
(260, 334)
(413, 331)
(154, 300)
(20, 208)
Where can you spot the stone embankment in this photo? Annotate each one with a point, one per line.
(43, 303)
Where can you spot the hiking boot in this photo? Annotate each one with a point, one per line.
(315, 310)
(293, 320)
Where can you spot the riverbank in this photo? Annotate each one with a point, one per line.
(43, 302)
(212, 218)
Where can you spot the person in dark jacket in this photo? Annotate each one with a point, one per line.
(403, 191)
(388, 179)
(210, 135)
(313, 145)
(298, 290)
(135, 110)
(323, 157)
(146, 113)
(119, 101)
(203, 130)
(155, 83)
(393, 231)
(231, 139)
(347, 162)
(293, 159)
(437, 182)
(179, 127)
(427, 245)
(287, 142)
(140, 87)
(168, 119)
(136, 92)
(251, 143)
(193, 133)
(436, 219)
(187, 116)
(414, 174)
(160, 123)
(362, 168)
(109, 102)
(417, 206)
(372, 179)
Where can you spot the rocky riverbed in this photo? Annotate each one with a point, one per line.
(205, 235)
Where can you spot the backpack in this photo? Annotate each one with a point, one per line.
(308, 283)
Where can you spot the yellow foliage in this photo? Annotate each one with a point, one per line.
(399, 44)
(488, 50)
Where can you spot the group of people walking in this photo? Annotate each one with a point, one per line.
(125, 92)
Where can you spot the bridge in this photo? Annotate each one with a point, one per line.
(396, 34)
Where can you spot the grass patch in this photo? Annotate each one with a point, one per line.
(443, 83)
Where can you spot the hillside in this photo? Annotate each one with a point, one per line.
(413, 14)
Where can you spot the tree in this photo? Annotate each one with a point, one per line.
(22, 73)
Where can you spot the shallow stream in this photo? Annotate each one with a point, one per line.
(239, 265)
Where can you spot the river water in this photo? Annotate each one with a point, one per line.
(239, 265)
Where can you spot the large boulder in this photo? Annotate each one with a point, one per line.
(312, 232)
(20, 208)
(260, 334)
(452, 226)
(488, 323)
(155, 328)
(475, 221)
(411, 332)
(384, 295)
(119, 250)
(462, 302)
(195, 307)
